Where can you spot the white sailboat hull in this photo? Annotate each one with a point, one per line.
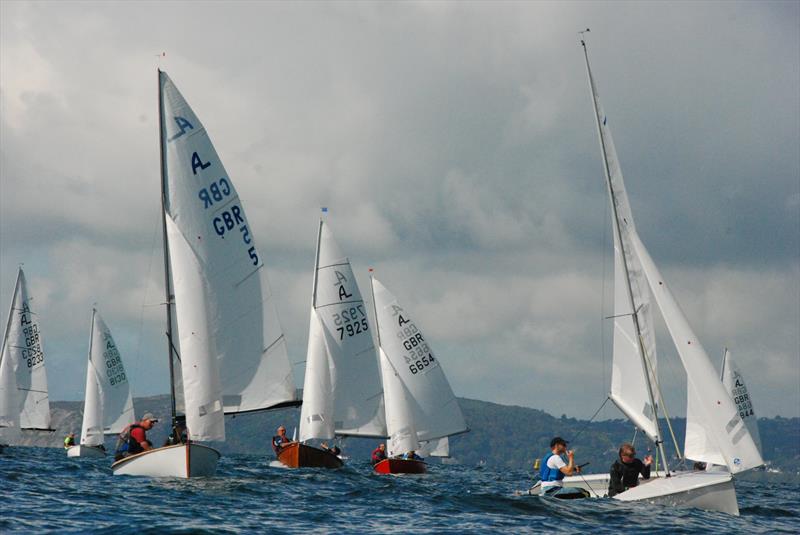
(712, 491)
(182, 460)
(85, 451)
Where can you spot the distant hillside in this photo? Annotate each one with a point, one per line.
(500, 435)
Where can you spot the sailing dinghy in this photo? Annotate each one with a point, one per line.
(108, 404)
(342, 393)
(420, 405)
(24, 402)
(227, 354)
(716, 433)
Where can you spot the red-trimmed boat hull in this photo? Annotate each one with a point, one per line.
(401, 466)
(297, 455)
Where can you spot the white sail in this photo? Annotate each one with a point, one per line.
(316, 413)
(631, 295)
(434, 408)
(435, 448)
(698, 443)
(712, 405)
(734, 382)
(108, 407)
(9, 394)
(233, 355)
(399, 413)
(26, 392)
(92, 425)
(342, 386)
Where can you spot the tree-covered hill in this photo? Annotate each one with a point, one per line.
(500, 435)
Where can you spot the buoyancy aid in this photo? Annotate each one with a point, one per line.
(126, 444)
(549, 474)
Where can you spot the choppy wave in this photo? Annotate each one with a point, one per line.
(43, 490)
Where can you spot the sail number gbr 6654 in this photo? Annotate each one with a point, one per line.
(418, 356)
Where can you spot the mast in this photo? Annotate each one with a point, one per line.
(316, 264)
(634, 312)
(374, 308)
(167, 287)
(724, 361)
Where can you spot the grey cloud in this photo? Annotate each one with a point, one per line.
(455, 146)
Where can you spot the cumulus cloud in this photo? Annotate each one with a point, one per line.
(455, 147)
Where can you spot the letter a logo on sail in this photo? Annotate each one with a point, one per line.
(340, 280)
(183, 124)
(197, 162)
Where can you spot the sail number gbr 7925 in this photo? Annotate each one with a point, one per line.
(351, 321)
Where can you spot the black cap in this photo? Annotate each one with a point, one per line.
(558, 440)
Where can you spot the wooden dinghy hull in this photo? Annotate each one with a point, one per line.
(85, 451)
(401, 466)
(297, 455)
(180, 460)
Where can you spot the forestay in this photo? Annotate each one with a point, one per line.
(712, 406)
(108, 406)
(342, 390)
(631, 295)
(24, 402)
(233, 355)
(434, 407)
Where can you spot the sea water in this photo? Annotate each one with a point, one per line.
(43, 490)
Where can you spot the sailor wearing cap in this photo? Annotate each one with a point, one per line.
(138, 434)
(554, 467)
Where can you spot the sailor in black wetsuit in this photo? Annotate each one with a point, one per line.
(625, 471)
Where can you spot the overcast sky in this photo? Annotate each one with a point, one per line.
(455, 146)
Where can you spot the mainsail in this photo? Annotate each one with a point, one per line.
(634, 348)
(24, 402)
(734, 382)
(232, 351)
(432, 408)
(726, 434)
(342, 392)
(108, 405)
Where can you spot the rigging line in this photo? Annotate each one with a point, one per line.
(137, 358)
(664, 407)
(575, 438)
(603, 293)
